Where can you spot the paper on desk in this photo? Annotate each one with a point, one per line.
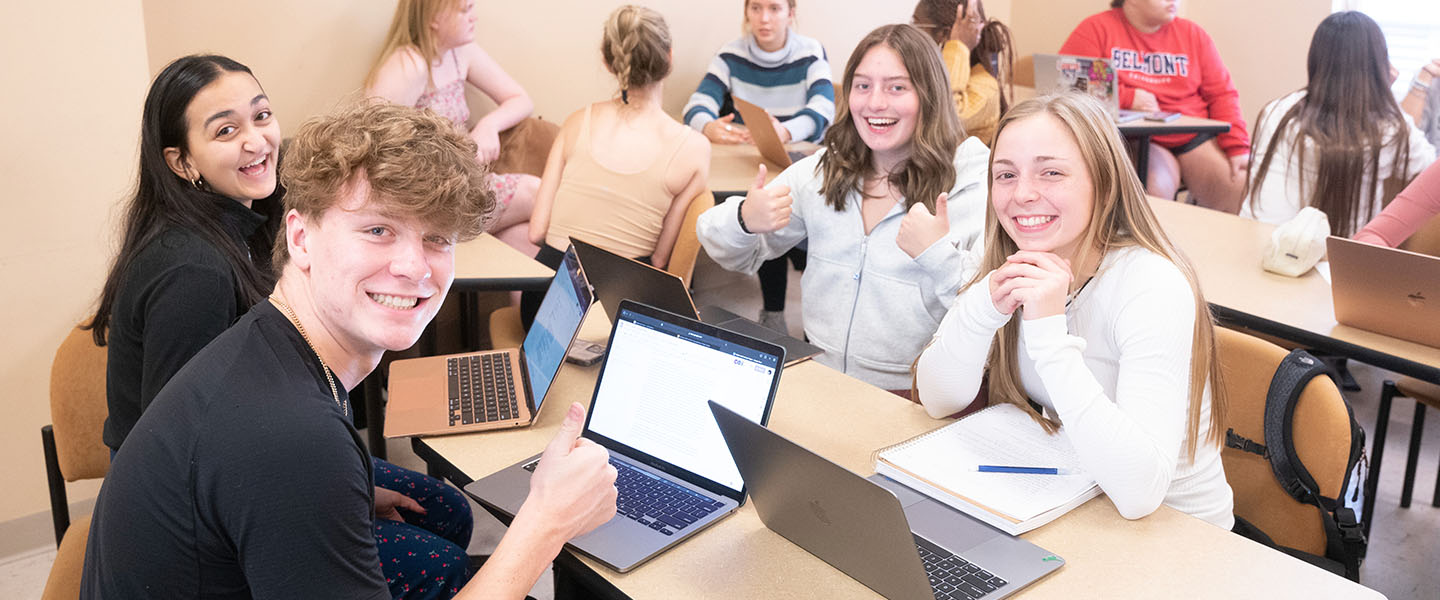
(1323, 268)
(999, 435)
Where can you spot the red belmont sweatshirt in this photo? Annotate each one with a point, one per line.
(1178, 63)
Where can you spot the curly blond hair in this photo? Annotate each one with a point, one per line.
(418, 165)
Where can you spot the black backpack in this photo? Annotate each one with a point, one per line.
(1344, 537)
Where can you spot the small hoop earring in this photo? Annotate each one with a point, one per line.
(199, 183)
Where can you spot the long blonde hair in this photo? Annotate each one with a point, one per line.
(930, 169)
(1121, 217)
(410, 27)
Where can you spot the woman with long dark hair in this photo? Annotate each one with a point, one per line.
(981, 60)
(1341, 144)
(196, 235)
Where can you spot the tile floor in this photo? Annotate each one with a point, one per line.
(1404, 543)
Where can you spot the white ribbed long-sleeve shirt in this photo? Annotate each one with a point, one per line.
(1115, 369)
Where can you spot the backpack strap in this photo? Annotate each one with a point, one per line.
(1345, 541)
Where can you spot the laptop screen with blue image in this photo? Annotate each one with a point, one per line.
(555, 325)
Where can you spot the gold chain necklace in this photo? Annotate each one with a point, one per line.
(290, 314)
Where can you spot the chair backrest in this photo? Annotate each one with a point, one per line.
(78, 408)
(64, 580)
(687, 246)
(1426, 239)
(525, 147)
(1024, 74)
(1320, 430)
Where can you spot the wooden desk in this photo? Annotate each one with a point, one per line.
(1225, 250)
(487, 264)
(1168, 554)
(1141, 131)
(733, 166)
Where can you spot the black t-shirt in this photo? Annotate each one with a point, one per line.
(243, 479)
(177, 294)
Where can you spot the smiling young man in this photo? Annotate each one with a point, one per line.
(245, 478)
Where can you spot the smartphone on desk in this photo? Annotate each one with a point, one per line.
(585, 352)
(1162, 117)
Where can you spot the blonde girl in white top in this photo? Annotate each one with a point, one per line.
(1092, 314)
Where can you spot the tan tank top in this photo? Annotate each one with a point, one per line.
(620, 212)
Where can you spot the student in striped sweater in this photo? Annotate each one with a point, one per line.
(788, 75)
(773, 67)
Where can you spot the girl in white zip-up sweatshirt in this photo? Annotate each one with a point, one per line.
(890, 207)
(1097, 317)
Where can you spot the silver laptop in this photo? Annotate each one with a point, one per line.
(1095, 77)
(1385, 290)
(676, 476)
(617, 278)
(889, 537)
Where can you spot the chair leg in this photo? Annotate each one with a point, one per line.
(59, 501)
(1416, 429)
(1377, 451)
(1436, 500)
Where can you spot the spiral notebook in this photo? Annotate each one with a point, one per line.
(943, 463)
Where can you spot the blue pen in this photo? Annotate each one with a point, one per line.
(1022, 470)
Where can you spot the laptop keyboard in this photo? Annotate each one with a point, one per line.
(953, 577)
(481, 389)
(662, 505)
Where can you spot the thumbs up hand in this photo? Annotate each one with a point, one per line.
(766, 210)
(920, 229)
(573, 489)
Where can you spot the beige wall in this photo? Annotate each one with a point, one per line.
(558, 60)
(1266, 61)
(320, 50)
(70, 117)
(311, 55)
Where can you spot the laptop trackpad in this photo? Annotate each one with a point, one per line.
(937, 522)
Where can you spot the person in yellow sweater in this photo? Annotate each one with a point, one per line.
(979, 56)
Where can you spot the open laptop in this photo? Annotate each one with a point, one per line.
(495, 389)
(649, 410)
(1385, 290)
(897, 541)
(1093, 76)
(767, 140)
(617, 278)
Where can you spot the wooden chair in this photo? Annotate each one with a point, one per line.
(1321, 426)
(687, 246)
(64, 580)
(1425, 240)
(72, 444)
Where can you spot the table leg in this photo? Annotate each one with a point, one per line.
(374, 416)
(1142, 158)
